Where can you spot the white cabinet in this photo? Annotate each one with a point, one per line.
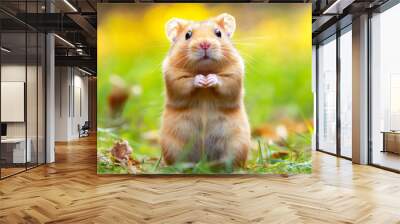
(18, 149)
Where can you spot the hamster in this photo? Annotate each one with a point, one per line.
(204, 114)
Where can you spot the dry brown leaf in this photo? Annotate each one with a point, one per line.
(121, 150)
(280, 154)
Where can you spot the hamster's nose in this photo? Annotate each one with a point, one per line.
(205, 45)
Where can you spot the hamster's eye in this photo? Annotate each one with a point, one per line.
(218, 33)
(188, 35)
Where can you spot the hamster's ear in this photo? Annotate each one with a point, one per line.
(227, 22)
(172, 28)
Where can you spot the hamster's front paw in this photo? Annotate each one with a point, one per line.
(212, 80)
(200, 81)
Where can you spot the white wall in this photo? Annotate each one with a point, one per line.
(13, 101)
(80, 115)
(61, 103)
(71, 93)
(14, 72)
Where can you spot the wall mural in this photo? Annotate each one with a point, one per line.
(204, 88)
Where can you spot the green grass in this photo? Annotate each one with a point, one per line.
(297, 159)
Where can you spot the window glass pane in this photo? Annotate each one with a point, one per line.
(31, 96)
(386, 89)
(346, 94)
(14, 153)
(314, 75)
(327, 96)
(22, 88)
(32, 86)
(41, 98)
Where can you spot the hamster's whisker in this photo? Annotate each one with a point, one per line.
(185, 63)
(246, 44)
(181, 59)
(248, 57)
(187, 56)
(243, 52)
(252, 38)
(244, 41)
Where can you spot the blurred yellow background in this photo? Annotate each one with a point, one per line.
(127, 29)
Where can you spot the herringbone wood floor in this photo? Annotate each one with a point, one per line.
(69, 191)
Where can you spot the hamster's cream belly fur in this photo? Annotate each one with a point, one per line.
(218, 134)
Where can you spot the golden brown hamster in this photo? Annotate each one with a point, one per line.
(204, 114)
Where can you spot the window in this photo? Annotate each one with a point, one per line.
(346, 93)
(327, 96)
(385, 89)
(22, 77)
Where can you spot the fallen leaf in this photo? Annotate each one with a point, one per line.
(121, 150)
